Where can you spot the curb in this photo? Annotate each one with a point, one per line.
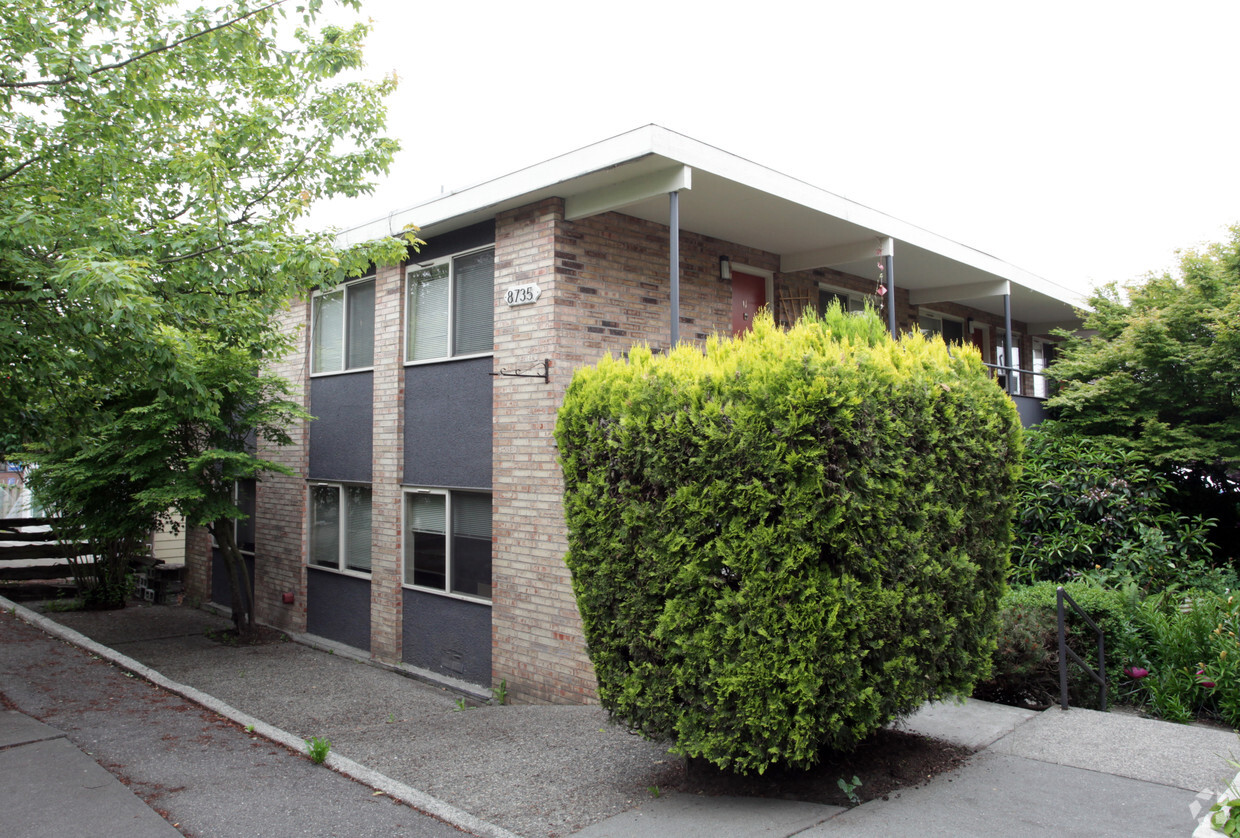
(419, 800)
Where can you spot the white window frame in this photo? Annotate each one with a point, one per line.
(930, 314)
(237, 522)
(1039, 366)
(451, 354)
(344, 289)
(252, 518)
(857, 300)
(445, 591)
(342, 564)
(1018, 389)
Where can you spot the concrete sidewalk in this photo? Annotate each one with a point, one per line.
(556, 771)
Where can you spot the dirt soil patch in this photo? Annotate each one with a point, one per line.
(259, 636)
(885, 763)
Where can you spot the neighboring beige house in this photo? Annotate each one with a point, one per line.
(423, 524)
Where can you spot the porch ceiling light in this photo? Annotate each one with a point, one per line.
(725, 268)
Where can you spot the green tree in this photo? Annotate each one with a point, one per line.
(154, 163)
(1161, 377)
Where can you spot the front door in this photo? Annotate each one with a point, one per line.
(748, 295)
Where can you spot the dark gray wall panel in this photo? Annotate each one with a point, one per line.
(448, 636)
(338, 608)
(221, 591)
(340, 434)
(1031, 410)
(467, 238)
(448, 424)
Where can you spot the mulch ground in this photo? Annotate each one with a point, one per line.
(885, 763)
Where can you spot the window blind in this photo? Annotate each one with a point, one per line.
(428, 313)
(361, 325)
(357, 523)
(328, 327)
(474, 302)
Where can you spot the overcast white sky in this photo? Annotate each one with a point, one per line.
(1083, 141)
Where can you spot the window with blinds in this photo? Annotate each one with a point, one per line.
(448, 542)
(340, 527)
(342, 327)
(450, 307)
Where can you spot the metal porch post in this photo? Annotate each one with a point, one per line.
(1007, 342)
(889, 272)
(674, 271)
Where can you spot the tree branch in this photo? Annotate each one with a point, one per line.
(154, 51)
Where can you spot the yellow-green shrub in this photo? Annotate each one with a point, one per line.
(785, 542)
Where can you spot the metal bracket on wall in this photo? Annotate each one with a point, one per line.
(545, 375)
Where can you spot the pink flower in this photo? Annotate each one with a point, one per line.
(1136, 672)
(1207, 684)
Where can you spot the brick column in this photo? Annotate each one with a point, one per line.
(197, 578)
(387, 467)
(536, 631)
(280, 505)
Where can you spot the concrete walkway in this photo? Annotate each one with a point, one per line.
(539, 771)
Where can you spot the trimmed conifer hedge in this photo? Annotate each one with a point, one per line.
(783, 543)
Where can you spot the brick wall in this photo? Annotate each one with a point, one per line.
(197, 576)
(387, 464)
(536, 633)
(604, 289)
(280, 532)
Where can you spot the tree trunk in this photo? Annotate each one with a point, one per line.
(239, 587)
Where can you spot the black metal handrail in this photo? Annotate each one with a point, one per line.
(1100, 677)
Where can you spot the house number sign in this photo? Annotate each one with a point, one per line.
(519, 295)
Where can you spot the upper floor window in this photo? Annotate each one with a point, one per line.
(951, 331)
(451, 307)
(848, 300)
(343, 327)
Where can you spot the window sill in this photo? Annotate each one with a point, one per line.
(341, 372)
(356, 574)
(449, 358)
(449, 594)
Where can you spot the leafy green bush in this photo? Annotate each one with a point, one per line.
(1110, 609)
(1088, 506)
(1190, 651)
(1025, 671)
(783, 543)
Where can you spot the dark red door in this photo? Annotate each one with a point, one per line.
(748, 295)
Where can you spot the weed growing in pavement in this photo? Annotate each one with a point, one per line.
(461, 705)
(391, 718)
(500, 693)
(654, 791)
(850, 788)
(56, 606)
(317, 749)
(249, 728)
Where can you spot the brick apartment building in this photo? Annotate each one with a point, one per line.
(423, 525)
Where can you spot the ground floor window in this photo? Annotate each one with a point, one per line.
(340, 527)
(447, 537)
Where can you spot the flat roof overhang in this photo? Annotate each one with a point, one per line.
(734, 200)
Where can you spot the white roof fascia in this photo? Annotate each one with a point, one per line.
(708, 158)
(628, 192)
(679, 149)
(605, 154)
(971, 291)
